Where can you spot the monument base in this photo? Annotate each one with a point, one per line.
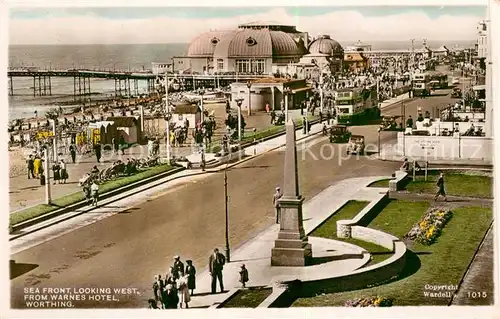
(291, 252)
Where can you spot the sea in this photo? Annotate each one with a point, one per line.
(124, 57)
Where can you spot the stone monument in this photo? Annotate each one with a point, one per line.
(291, 248)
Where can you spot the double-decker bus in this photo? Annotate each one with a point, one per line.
(354, 100)
(438, 80)
(421, 84)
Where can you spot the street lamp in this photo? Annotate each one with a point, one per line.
(202, 92)
(167, 115)
(378, 131)
(239, 101)
(226, 199)
(287, 91)
(249, 85)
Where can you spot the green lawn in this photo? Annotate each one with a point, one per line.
(348, 211)
(248, 298)
(398, 217)
(329, 230)
(41, 209)
(380, 183)
(455, 184)
(443, 263)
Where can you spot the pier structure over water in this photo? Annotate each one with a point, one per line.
(42, 85)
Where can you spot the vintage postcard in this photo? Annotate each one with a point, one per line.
(250, 157)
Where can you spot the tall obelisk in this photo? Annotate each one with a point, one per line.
(291, 248)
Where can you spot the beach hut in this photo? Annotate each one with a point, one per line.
(128, 127)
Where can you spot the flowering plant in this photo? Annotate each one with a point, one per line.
(369, 302)
(429, 228)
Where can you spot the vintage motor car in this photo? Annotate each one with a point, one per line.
(456, 93)
(339, 134)
(356, 145)
(389, 123)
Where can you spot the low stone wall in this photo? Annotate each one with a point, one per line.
(398, 182)
(374, 236)
(238, 155)
(363, 217)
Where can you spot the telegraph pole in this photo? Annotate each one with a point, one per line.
(46, 172)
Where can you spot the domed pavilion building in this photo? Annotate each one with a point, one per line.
(256, 48)
(325, 53)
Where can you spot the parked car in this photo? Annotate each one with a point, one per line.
(456, 93)
(339, 134)
(356, 145)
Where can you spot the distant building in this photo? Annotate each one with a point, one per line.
(355, 62)
(443, 51)
(482, 40)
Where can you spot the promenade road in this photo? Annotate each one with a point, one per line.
(127, 249)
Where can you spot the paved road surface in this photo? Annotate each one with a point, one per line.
(126, 249)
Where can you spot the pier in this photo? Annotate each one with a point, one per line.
(126, 83)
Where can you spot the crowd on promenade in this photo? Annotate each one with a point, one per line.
(175, 289)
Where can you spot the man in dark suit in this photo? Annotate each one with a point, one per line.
(178, 268)
(215, 264)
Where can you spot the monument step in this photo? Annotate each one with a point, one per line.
(283, 234)
(289, 243)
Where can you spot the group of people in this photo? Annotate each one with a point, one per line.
(176, 288)
(34, 164)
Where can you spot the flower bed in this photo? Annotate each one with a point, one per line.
(369, 302)
(428, 229)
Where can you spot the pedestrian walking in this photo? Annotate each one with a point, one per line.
(158, 287)
(243, 275)
(183, 291)
(276, 197)
(97, 150)
(72, 151)
(56, 170)
(31, 167)
(94, 191)
(122, 144)
(440, 186)
(267, 107)
(215, 265)
(37, 166)
(170, 299)
(178, 268)
(273, 117)
(191, 273)
(64, 171)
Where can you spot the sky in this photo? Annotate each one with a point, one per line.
(127, 25)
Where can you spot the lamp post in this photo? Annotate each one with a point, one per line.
(202, 92)
(287, 91)
(48, 199)
(226, 199)
(167, 113)
(239, 101)
(321, 92)
(249, 85)
(378, 132)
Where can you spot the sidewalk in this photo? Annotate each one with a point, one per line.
(24, 192)
(256, 253)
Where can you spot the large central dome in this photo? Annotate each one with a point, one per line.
(325, 45)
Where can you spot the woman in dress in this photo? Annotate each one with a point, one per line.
(191, 273)
(37, 163)
(183, 291)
